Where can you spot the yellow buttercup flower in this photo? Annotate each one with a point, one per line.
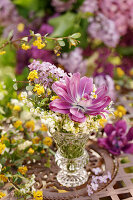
(25, 47)
(32, 75)
(120, 72)
(2, 52)
(3, 138)
(2, 194)
(120, 111)
(3, 178)
(9, 105)
(39, 43)
(31, 151)
(43, 151)
(23, 170)
(47, 141)
(38, 195)
(48, 91)
(39, 89)
(115, 60)
(118, 87)
(30, 125)
(20, 27)
(17, 124)
(17, 108)
(43, 128)
(102, 122)
(36, 140)
(54, 97)
(2, 148)
(131, 72)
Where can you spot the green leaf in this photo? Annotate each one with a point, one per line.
(63, 25)
(10, 35)
(15, 86)
(61, 43)
(25, 39)
(76, 35)
(31, 32)
(2, 111)
(29, 87)
(125, 51)
(44, 101)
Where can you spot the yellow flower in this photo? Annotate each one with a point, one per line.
(17, 108)
(38, 195)
(3, 178)
(47, 141)
(20, 27)
(120, 72)
(2, 52)
(31, 151)
(36, 140)
(25, 47)
(43, 128)
(120, 111)
(39, 89)
(115, 60)
(102, 122)
(131, 72)
(22, 96)
(2, 148)
(38, 43)
(43, 151)
(13, 141)
(23, 170)
(54, 97)
(48, 91)
(3, 138)
(17, 124)
(9, 105)
(30, 125)
(2, 194)
(32, 75)
(118, 87)
(95, 96)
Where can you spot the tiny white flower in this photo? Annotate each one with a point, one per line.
(94, 186)
(0, 168)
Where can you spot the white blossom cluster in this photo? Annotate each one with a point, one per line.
(27, 186)
(58, 122)
(16, 102)
(24, 145)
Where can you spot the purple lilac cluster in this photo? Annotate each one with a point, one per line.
(118, 139)
(8, 13)
(111, 19)
(73, 61)
(9, 18)
(103, 29)
(89, 6)
(96, 180)
(47, 72)
(61, 6)
(120, 11)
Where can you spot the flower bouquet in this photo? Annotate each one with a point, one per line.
(70, 107)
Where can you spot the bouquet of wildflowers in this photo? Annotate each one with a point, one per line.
(65, 102)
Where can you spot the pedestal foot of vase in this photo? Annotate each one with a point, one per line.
(72, 173)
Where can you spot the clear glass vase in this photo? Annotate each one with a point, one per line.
(71, 157)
